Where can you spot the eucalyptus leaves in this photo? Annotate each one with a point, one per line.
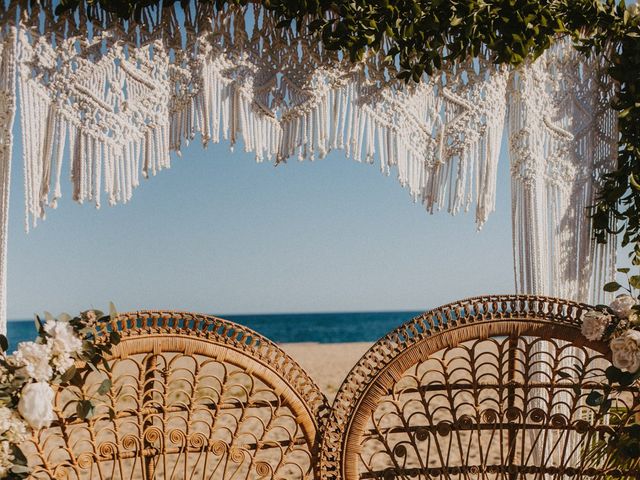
(28, 375)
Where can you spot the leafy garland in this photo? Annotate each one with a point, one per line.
(64, 346)
(420, 37)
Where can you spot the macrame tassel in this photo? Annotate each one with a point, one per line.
(444, 141)
(7, 114)
(558, 155)
(110, 112)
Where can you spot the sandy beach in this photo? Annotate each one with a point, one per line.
(327, 363)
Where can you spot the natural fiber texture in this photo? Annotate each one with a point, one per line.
(192, 397)
(7, 114)
(455, 393)
(121, 105)
(563, 137)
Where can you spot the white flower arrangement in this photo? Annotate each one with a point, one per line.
(29, 377)
(594, 324)
(619, 326)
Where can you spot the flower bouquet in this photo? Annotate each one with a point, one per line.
(619, 325)
(29, 375)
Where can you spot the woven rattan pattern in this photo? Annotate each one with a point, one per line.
(487, 387)
(193, 397)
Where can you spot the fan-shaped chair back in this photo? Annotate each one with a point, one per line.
(192, 397)
(484, 388)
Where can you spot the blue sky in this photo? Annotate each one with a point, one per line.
(219, 233)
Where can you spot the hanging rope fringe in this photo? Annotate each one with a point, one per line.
(7, 113)
(563, 138)
(119, 107)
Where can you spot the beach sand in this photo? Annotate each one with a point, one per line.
(327, 363)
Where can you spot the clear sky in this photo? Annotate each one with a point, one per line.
(219, 233)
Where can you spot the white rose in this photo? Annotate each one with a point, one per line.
(64, 340)
(36, 404)
(6, 458)
(35, 358)
(622, 305)
(90, 316)
(625, 351)
(12, 427)
(594, 324)
(62, 363)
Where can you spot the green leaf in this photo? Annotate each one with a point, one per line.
(316, 24)
(105, 386)
(624, 270)
(634, 281)
(114, 338)
(562, 374)
(69, 374)
(106, 365)
(18, 455)
(113, 313)
(4, 343)
(84, 409)
(38, 323)
(612, 287)
(20, 469)
(595, 399)
(286, 23)
(605, 406)
(615, 375)
(77, 380)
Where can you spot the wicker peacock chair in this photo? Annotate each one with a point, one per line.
(488, 387)
(192, 397)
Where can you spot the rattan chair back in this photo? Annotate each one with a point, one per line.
(486, 388)
(192, 397)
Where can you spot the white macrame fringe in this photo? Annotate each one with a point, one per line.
(119, 108)
(562, 138)
(84, 112)
(7, 113)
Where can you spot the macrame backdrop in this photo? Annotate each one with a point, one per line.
(106, 102)
(562, 138)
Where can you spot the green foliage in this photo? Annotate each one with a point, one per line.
(612, 287)
(417, 37)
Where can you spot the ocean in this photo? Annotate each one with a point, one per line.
(285, 328)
